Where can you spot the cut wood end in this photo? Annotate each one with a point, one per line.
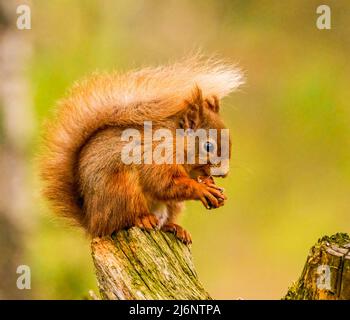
(326, 274)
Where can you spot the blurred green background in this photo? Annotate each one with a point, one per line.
(290, 170)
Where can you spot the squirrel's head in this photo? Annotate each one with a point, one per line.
(207, 140)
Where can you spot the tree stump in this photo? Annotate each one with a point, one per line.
(142, 265)
(326, 274)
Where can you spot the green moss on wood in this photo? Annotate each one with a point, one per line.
(137, 264)
(331, 252)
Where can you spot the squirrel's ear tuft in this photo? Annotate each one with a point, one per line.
(213, 104)
(193, 114)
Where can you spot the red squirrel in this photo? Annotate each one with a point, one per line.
(81, 168)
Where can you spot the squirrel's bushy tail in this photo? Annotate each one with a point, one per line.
(120, 100)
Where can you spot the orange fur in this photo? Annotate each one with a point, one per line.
(83, 176)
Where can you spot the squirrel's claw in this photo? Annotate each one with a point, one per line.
(147, 222)
(178, 231)
(213, 196)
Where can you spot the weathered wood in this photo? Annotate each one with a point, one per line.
(139, 265)
(143, 265)
(326, 274)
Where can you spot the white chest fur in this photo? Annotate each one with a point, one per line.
(160, 210)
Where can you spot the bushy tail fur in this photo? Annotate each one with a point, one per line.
(120, 100)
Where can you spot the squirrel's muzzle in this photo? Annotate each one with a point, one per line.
(221, 169)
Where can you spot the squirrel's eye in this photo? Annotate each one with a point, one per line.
(208, 146)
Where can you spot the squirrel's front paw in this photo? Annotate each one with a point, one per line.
(178, 231)
(210, 195)
(209, 181)
(147, 222)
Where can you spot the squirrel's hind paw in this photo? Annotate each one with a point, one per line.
(147, 222)
(178, 231)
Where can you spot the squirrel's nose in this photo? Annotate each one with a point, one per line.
(220, 170)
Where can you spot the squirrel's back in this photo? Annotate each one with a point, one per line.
(123, 100)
